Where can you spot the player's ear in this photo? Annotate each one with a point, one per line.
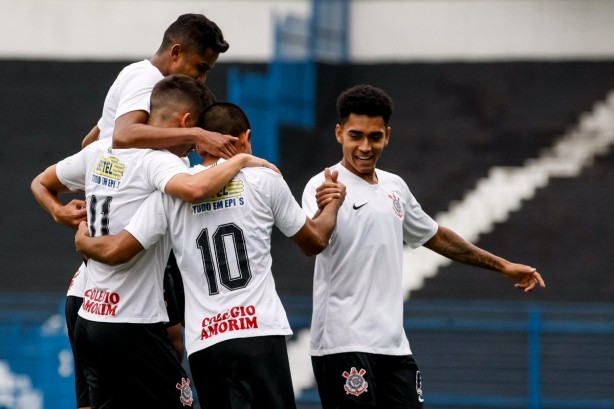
(388, 132)
(176, 51)
(186, 120)
(244, 142)
(339, 133)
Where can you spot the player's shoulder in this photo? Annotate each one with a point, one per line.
(389, 176)
(259, 175)
(140, 70)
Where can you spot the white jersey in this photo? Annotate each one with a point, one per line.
(222, 247)
(116, 182)
(357, 291)
(131, 91)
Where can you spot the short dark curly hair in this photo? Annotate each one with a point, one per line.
(195, 33)
(364, 99)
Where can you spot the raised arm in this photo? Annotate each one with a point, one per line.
(201, 186)
(45, 188)
(314, 236)
(111, 249)
(451, 245)
(131, 131)
(91, 136)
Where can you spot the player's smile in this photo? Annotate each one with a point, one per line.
(363, 139)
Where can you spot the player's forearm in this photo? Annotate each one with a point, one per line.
(47, 198)
(451, 245)
(103, 249)
(320, 230)
(146, 136)
(201, 186)
(91, 136)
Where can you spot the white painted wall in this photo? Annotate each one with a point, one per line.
(381, 30)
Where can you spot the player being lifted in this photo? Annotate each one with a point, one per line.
(120, 336)
(191, 46)
(236, 326)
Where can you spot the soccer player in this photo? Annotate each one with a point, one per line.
(120, 337)
(190, 46)
(360, 354)
(236, 326)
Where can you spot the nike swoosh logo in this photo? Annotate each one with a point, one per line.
(358, 207)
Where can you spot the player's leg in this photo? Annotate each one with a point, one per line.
(244, 373)
(157, 373)
(73, 304)
(175, 316)
(345, 380)
(132, 365)
(399, 382)
(98, 368)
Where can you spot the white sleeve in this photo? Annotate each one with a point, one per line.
(149, 223)
(288, 215)
(310, 204)
(418, 227)
(72, 170)
(135, 91)
(163, 166)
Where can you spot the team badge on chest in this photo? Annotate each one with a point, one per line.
(355, 383)
(396, 205)
(186, 398)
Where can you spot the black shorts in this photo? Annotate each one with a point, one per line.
(244, 373)
(361, 380)
(131, 366)
(175, 315)
(73, 304)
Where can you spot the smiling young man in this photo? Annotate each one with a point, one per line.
(360, 353)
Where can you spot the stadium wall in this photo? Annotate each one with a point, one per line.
(380, 30)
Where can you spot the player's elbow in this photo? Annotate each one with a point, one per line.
(197, 194)
(121, 139)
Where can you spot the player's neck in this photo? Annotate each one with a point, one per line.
(210, 160)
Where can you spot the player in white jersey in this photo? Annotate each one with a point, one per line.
(119, 336)
(360, 353)
(235, 323)
(190, 46)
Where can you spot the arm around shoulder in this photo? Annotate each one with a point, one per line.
(111, 250)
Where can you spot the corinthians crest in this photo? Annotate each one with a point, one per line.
(186, 398)
(396, 205)
(355, 383)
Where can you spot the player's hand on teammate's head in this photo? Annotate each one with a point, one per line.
(330, 190)
(222, 146)
(527, 278)
(72, 214)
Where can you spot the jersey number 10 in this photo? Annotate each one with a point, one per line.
(224, 234)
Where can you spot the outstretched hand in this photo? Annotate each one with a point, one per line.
(527, 278)
(216, 144)
(71, 214)
(331, 191)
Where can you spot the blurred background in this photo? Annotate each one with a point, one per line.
(503, 130)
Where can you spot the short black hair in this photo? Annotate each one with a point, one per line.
(179, 92)
(195, 33)
(225, 118)
(364, 100)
